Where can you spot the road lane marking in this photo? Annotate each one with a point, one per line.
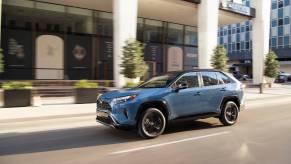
(169, 143)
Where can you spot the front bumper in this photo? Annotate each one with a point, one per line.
(107, 119)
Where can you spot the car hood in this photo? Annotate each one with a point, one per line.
(127, 92)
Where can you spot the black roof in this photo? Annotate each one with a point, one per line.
(194, 70)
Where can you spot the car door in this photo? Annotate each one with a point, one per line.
(212, 93)
(185, 102)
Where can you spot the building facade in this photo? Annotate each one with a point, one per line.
(86, 42)
(237, 39)
(66, 39)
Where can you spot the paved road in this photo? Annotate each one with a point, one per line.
(263, 135)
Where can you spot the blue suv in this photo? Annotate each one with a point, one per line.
(173, 96)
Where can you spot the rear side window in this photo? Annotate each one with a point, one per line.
(209, 78)
(223, 79)
(190, 79)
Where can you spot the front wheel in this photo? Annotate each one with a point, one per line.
(229, 113)
(151, 124)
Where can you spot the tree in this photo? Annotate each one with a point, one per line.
(219, 59)
(1, 61)
(133, 64)
(271, 65)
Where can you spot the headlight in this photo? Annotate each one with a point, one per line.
(123, 99)
(99, 95)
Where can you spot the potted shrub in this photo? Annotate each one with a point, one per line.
(133, 64)
(219, 59)
(17, 94)
(271, 68)
(85, 92)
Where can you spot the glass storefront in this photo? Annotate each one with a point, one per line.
(49, 41)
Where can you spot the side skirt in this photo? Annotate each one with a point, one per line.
(195, 117)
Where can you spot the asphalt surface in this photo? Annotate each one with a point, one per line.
(262, 135)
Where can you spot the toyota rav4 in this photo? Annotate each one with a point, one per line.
(173, 96)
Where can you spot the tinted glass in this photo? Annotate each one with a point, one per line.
(190, 79)
(159, 81)
(223, 79)
(209, 78)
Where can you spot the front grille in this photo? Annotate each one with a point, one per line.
(103, 105)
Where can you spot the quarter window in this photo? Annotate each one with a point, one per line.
(223, 79)
(209, 78)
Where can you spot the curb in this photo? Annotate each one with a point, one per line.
(46, 118)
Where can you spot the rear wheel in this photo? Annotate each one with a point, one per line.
(229, 113)
(151, 124)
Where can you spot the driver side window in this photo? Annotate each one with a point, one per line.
(190, 79)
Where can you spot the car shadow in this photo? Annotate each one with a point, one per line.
(24, 143)
(189, 125)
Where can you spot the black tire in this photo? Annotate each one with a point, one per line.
(229, 113)
(151, 124)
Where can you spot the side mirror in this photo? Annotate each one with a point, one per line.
(182, 86)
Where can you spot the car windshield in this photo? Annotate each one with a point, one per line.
(159, 81)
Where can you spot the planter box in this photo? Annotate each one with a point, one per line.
(83, 96)
(17, 98)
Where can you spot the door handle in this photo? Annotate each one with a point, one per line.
(197, 94)
(223, 89)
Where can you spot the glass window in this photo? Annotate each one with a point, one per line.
(242, 28)
(286, 40)
(237, 37)
(274, 23)
(233, 47)
(286, 2)
(105, 24)
(175, 33)
(280, 13)
(159, 81)
(238, 46)
(238, 30)
(191, 79)
(247, 36)
(233, 30)
(280, 3)
(280, 31)
(286, 20)
(280, 41)
(18, 16)
(229, 48)
(140, 26)
(190, 57)
(209, 78)
(247, 28)
(191, 36)
(223, 79)
(242, 45)
(153, 31)
(247, 44)
(274, 42)
(274, 4)
(280, 22)
(79, 20)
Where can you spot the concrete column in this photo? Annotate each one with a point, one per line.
(207, 31)
(0, 22)
(260, 37)
(125, 24)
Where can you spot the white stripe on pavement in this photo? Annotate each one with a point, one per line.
(170, 143)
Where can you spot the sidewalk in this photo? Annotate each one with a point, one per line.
(46, 112)
(276, 91)
(53, 108)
